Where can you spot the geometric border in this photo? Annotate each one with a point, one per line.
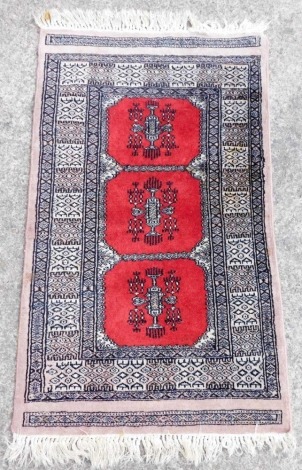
(154, 418)
(68, 39)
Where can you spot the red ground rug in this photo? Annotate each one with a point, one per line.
(151, 316)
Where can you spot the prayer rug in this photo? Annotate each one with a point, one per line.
(151, 323)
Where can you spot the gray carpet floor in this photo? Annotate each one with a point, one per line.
(18, 49)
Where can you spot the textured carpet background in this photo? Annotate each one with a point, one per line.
(18, 48)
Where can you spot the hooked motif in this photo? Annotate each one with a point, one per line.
(155, 210)
(154, 301)
(152, 127)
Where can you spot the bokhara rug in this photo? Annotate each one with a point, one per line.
(151, 321)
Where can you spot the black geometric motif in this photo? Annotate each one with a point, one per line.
(152, 127)
(154, 301)
(153, 211)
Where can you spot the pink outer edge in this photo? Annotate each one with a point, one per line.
(225, 404)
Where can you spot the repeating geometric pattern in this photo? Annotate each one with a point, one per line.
(244, 311)
(239, 252)
(74, 73)
(236, 202)
(171, 42)
(235, 76)
(71, 132)
(191, 374)
(238, 224)
(183, 75)
(66, 232)
(71, 109)
(145, 418)
(70, 155)
(236, 180)
(69, 179)
(235, 111)
(65, 258)
(67, 205)
(63, 315)
(64, 285)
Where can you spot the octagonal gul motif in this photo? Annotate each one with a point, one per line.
(149, 212)
(145, 131)
(153, 210)
(155, 302)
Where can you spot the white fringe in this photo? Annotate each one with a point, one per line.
(104, 452)
(143, 21)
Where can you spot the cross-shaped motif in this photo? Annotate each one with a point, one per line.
(154, 209)
(152, 128)
(156, 301)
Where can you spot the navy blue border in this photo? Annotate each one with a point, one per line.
(138, 41)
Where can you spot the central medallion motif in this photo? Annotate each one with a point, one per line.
(153, 211)
(155, 300)
(145, 130)
(156, 210)
(152, 127)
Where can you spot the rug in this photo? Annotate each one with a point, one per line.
(151, 320)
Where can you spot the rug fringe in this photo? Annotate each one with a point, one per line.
(104, 451)
(143, 21)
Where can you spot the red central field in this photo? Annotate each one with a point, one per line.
(186, 129)
(191, 300)
(186, 211)
(154, 212)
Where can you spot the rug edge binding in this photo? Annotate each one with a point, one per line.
(130, 20)
(104, 451)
